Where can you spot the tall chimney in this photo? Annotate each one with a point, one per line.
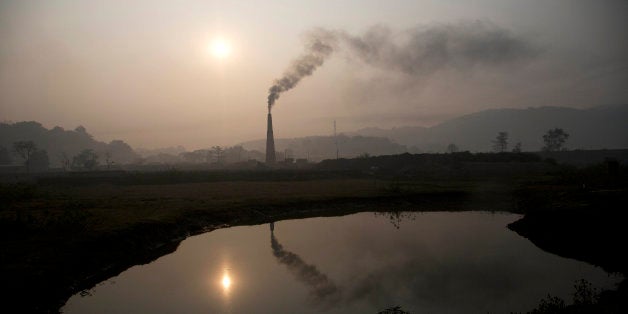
(270, 141)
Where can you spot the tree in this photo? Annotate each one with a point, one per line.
(554, 139)
(39, 160)
(5, 156)
(234, 154)
(196, 156)
(25, 150)
(217, 152)
(65, 161)
(452, 148)
(517, 148)
(86, 159)
(500, 144)
(108, 161)
(80, 129)
(120, 152)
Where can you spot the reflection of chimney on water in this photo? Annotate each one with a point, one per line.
(322, 290)
(270, 140)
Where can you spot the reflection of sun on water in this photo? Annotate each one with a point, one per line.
(226, 285)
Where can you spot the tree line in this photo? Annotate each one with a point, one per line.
(61, 145)
(554, 140)
(36, 159)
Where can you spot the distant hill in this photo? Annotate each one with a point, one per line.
(316, 148)
(603, 127)
(58, 141)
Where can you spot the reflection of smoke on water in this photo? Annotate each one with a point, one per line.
(322, 290)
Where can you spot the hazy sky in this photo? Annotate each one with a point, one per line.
(142, 71)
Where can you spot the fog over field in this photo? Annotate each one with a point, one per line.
(348, 156)
(198, 73)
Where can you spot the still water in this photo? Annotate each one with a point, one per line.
(465, 262)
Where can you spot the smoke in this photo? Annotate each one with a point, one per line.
(322, 289)
(424, 50)
(417, 52)
(319, 46)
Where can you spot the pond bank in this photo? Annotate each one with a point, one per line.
(44, 266)
(594, 233)
(101, 230)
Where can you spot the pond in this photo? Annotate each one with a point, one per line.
(433, 262)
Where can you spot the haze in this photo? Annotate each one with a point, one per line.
(145, 72)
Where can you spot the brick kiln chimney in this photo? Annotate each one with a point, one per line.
(270, 141)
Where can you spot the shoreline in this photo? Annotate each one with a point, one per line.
(108, 228)
(81, 265)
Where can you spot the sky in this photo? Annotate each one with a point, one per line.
(147, 71)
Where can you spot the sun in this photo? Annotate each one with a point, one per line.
(220, 48)
(226, 281)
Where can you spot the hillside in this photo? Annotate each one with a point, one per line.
(602, 127)
(58, 141)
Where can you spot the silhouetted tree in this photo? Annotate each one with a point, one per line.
(255, 155)
(500, 144)
(80, 129)
(584, 293)
(86, 159)
(452, 148)
(140, 161)
(25, 149)
(108, 160)
(235, 154)
(554, 139)
(65, 161)
(5, 156)
(393, 310)
(39, 160)
(209, 155)
(196, 156)
(120, 152)
(585, 300)
(517, 148)
(57, 141)
(217, 152)
(549, 305)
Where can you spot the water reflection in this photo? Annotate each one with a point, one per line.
(322, 291)
(396, 217)
(437, 263)
(226, 282)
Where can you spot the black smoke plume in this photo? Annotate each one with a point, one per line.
(320, 44)
(424, 50)
(322, 290)
(416, 52)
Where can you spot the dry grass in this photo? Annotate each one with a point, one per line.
(109, 207)
(106, 207)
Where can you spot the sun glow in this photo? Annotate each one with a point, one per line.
(220, 48)
(226, 281)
